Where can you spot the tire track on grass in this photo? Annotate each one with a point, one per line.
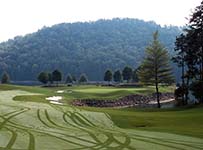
(105, 144)
(12, 140)
(10, 117)
(146, 139)
(110, 139)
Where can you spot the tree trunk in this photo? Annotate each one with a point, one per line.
(183, 82)
(157, 96)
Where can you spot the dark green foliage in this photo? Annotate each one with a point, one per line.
(43, 77)
(88, 47)
(74, 78)
(127, 73)
(56, 75)
(50, 78)
(69, 79)
(155, 68)
(117, 76)
(108, 76)
(135, 76)
(83, 78)
(5, 79)
(189, 56)
(197, 89)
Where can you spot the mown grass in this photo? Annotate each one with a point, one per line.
(185, 120)
(84, 91)
(27, 121)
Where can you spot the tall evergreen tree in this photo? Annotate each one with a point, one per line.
(117, 76)
(5, 79)
(155, 68)
(69, 79)
(108, 76)
(127, 73)
(83, 78)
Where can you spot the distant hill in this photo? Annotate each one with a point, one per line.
(89, 47)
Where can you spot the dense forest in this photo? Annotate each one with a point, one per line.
(82, 47)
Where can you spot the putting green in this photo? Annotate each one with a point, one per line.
(41, 126)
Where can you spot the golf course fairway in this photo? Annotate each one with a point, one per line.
(31, 125)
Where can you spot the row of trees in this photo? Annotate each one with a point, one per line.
(56, 77)
(189, 56)
(127, 74)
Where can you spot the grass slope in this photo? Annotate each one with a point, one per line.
(35, 125)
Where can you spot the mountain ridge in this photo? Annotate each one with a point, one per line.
(82, 47)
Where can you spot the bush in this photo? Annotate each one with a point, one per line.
(5, 78)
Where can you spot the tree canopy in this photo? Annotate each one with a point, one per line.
(127, 73)
(43, 77)
(117, 76)
(189, 54)
(56, 75)
(108, 76)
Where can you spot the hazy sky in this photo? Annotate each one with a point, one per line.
(19, 17)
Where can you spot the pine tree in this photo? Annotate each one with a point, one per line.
(83, 78)
(155, 68)
(69, 79)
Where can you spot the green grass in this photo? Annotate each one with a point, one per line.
(28, 121)
(86, 91)
(185, 121)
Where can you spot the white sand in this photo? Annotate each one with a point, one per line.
(61, 91)
(55, 102)
(164, 101)
(54, 98)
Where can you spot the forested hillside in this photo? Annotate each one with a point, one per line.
(90, 47)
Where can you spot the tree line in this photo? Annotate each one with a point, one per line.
(189, 57)
(56, 76)
(126, 75)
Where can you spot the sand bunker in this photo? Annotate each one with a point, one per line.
(55, 102)
(54, 98)
(61, 91)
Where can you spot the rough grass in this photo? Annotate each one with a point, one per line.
(30, 123)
